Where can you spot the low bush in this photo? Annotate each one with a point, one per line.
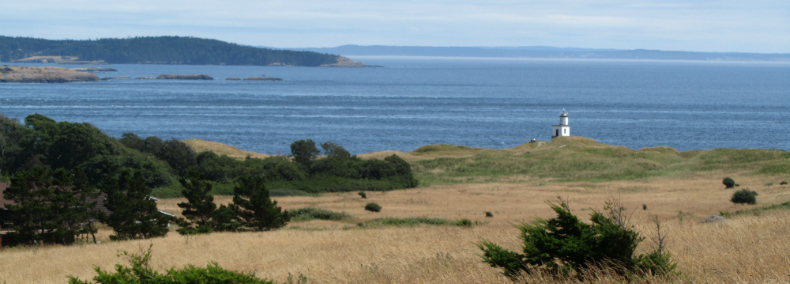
(363, 195)
(310, 213)
(728, 182)
(784, 182)
(141, 272)
(373, 207)
(565, 245)
(415, 221)
(744, 196)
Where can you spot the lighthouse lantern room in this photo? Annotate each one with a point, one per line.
(563, 129)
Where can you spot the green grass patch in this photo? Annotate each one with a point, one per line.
(756, 211)
(310, 213)
(603, 163)
(416, 221)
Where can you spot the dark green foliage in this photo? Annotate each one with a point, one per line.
(159, 50)
(728, 182)
(489, 214)
(224, 219)
(199, 208)
(134, 212)
(784, 182)
(565, 244)
(335, 150)
(42, 141)
(178, 155)
(744, 196)
(51, 207)
(304, 152)
(644, 206)
(465, 223)
(373, 207)
(363, 195)
(253, 207)
(310, 213)
(141, 272)
(5, 69)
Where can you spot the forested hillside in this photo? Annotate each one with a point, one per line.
(159, 50)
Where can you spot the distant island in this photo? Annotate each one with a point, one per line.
(22, 74)
(159, 50)
(545, 52)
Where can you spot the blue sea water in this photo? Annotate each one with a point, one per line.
(492, 103)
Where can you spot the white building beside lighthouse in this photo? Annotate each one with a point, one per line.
(563, 129)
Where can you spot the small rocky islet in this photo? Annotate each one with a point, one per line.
(28, 74)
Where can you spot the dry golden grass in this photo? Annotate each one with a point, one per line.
(200, 145)
(751, 249)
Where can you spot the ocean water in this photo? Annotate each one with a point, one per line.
(410, 102)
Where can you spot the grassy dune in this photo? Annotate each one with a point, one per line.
(459, 182)
(201, 145)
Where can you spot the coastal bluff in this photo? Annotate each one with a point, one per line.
(25, 74)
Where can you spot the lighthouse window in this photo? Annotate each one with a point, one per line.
(565, 131)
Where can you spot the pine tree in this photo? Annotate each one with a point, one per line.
(199, 208)
(74, 198)
(134, 214)
(51, 206)
(254, 208)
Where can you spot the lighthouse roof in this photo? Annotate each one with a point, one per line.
(564, 114)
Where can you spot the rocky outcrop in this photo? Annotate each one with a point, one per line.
(345, 62)
(262, 79)
(115, 78)
(94, 69)
(24, 74)
(184, 77)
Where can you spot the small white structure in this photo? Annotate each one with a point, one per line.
(563, 129)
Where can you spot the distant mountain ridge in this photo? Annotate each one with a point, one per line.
(161, 50)
(545, 52)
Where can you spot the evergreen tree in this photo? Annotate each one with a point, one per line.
(199, 208)
(74, 198)
(134, 214)
(50, 206)
(254, 208)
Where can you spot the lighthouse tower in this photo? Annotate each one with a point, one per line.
(563, 129)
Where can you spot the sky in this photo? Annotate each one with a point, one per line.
(689, 25)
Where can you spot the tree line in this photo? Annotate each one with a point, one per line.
(61, 171)
(158, 50)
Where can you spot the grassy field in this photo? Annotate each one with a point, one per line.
(513, 184)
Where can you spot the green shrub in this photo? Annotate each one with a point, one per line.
(310, 213)
(728, 182)
(565, 245)
(465, 223)
(489, 214)
(373, 207)
(141, 272)
(784, 182)
(415, 221)
(363, 195)
(744, 196)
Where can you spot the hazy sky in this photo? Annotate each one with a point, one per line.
(694, 25)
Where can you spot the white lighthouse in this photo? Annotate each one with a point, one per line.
(563, 129)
